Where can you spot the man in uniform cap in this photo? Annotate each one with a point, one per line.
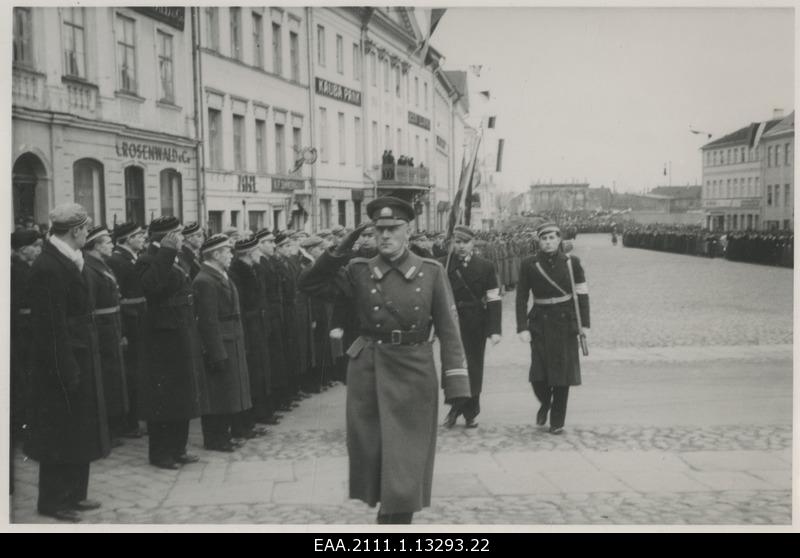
(320, 311)
(129, 239)
(392, 395)
(105, 293)
(189, 256)
(477, 295)
(294, 318)
(551, 326)
(172, 387)
(68, 427)
(417, 246)
(220, 326)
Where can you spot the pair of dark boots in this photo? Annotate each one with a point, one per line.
(395, 518)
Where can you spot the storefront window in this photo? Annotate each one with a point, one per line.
(171, 194)
(88, 183)
(134, 195)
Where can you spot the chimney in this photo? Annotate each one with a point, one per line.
(777, 113)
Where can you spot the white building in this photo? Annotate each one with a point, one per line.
(778, 172)
(103, 113)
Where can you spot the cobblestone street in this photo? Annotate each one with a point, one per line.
(684, 418)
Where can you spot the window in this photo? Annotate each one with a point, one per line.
(756, 181)
(321, 45)
(325, 214)
(425, 95)
(787, 155)
(399, 144)
(715, 158)
(728, 156)
(238, 142)
(769, 195)
(23, 51)
(280, 149)
(342, 207)
(258, 40)
(126, 54)
(235, 219)
(728, 191)
(261, 145)
(215, 138)
(294, 55)
(769, 156)
(297, 142)
(359, 133)
(387, 138)
(171, 196)
(342, 145)
(356, 62)
(787, 195)
(397, 80)
(236, 33)
(277, 49)
(134, 195)
(357, 213)
(74, 44)
(87, 178)
(255, 220)
(416, 148)
(741, 155)
(750, 221)
(212, 28)
(425, 156)
(735, 222)
(215, 222)
(416, 92)
(386, 75)
(375, 149)
(750, 186)
(374, 70)
(777, 195)
(735, 188)
(166, 91)
(323, 134)
(339, 54)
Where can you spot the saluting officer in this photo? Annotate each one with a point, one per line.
(551, 326)
(129, 240)
(477, 295)
(68, 426)
(105, 293)
(189, 256)
(172, 389)
(392, 384)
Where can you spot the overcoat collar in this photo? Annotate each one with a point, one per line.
(410, 264)
(215, 273)
(68, 264)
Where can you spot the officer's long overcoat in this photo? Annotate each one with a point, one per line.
(109, 335)
(279, 373)
(222, 339)
(553, 327)
(171, 376)
(68, 422)
(392, 390)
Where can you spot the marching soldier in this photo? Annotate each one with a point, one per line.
(391, 378)
(551, 326)
(189, 256)
(220, 326)
(477, 295)
(417, 245)
(68, 427)
(171, 375)
(129, 240)
(105, 293)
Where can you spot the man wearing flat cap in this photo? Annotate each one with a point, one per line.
(222, 337)
(551, 325)
(392, 383)
(288, 268)
(320, 311)
(105, 292)
(129, 239)
(172, 388)
(477, 295)
(68, 427)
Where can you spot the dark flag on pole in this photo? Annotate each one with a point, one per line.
(500, 144)
(464, 190)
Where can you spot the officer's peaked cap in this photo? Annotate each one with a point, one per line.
(214, 242)
(96, 232)
(545, 228)
(389, 211)
(124, 230)
(245, 245)
(164, 225)
(463, 232)
(191, 228)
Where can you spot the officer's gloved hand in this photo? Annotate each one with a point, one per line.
(525, 336)
(346, 245)
(172, 240)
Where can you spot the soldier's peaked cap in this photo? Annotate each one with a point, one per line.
(311, 241)
(124, 230)
(282, 238)
(545, 228)
(164, 225)
(464, 232)
(215, 241)
(191, 228)
(245, 245)
(389, 211)
(263, 233)
(96, 232)
(68, 215)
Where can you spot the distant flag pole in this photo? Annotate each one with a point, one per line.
(457, 210)
(436, 17)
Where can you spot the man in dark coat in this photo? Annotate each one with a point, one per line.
(551, 326)
(222, 337)
(477, 295)
(129, 240)
(392, 383)
(68, 427)
(189, 256)
(172, 376)
(418, 245)
(26, 245)
(288, 271)
(105, 294)
(321, 310)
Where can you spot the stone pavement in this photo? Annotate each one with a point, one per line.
(657, 435)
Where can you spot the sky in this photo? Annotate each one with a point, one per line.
(608, 95)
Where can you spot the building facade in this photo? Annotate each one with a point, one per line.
(778, 171)
(103, 113)
(549, 197)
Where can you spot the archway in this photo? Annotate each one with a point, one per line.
(29, 179)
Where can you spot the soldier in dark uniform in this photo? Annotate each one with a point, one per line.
(129, 239)
(477, 295)
(105, 293)
(26, 245)
(189, 256)
(417, 245)
(172, 390)
(392, 382)
(288, 271)
(68, 428)
(220, 327)
(551, 326)
(321, 310)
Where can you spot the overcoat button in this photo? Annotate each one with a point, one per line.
(376, 308)
(418, 289)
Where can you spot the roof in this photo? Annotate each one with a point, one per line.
(678, 191)
(459, 81)
(563, 185)
(746, 135)
(783, 127)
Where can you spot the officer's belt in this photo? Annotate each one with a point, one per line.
(25, 311)
(397, 336)
(555, 300)
(110, 310)
(182, 300)
(469, 304)
(138, 300)
(229, 318)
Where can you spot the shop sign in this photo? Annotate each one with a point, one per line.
(440, 142)
(151, 152)
(338, 92)
(287, 184)
(418, 120)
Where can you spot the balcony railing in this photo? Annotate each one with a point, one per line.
(402, 174)
(27, 88)
(81, 96)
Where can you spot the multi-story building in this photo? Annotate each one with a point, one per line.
(778, 175)
(733, 192)
(254, 78)
(103, 113)
(549, 196)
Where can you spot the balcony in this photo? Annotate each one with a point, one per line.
(81, 96)
(402, 175)
(27, 88)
